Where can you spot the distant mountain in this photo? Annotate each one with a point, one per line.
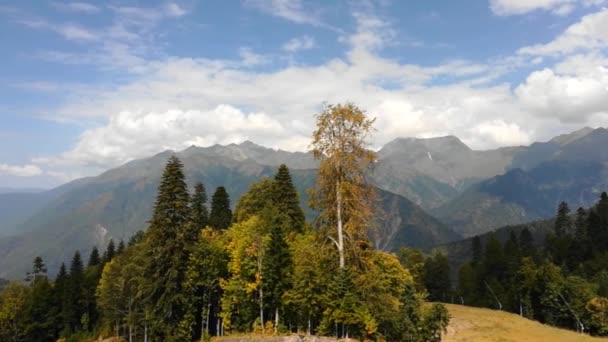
(5, 190)
(119, 202)
(469, 191)
(571, 168)
(432, 171)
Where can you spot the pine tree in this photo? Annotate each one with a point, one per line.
(477, 250)
(287, 200)
(110, 252)
(38, 271)
(198, 205)
(562, 221)
(526, 243)
(41, 312)
(167, 253)
(75, 292)
(60, 293)
(121, 247)
(94, 258)
(276, 268)
(221, 214)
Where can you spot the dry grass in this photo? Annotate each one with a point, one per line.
(485, 325)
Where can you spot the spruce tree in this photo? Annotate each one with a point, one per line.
(198, 205)
(60, 291)
(167, 254)
(110, 252)
(477, 250)
(276, 268)
(121, 247)
(42, 311)
(287, 200)
(75, 293)
(94, 258)
(221, 214)
(526, 243)
(562, 221)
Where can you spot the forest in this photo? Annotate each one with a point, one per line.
(201, 270)
(561, 281)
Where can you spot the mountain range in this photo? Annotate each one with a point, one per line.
(432, 191)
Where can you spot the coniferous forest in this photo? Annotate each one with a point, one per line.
(561, 281)
(202, 270)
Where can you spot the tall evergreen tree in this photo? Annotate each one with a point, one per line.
(42, 311)
(276, 267)
(526, 243)
(198, 205)
(121, 247)
(287, 199)
(221, 214)
(477, 249)
(562, 221)
(110, 252)
(74, 306)
(167, 253)
(94, 258)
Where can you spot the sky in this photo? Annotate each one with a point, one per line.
(87, 86)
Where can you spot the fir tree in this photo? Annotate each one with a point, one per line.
(562, 221)
(198, 205)
(221, 214)
(276, 268)
(75, 292)
(167, 253)
(526, 243)
(477, 250)
(94, 258)
(121, 247)
(110, 252)
(38, 271)
(287, 200)
(42, 311)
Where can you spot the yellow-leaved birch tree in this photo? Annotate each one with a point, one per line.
(342, 194)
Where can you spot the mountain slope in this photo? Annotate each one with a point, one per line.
(522, 196)
(119, 202)
(486, 325)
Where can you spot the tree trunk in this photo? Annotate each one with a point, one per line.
(339, 218)
(262, 309)
(145, 331)
(276, 320)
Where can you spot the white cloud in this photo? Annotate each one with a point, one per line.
(131, 135)
(250, 58)
(20, 171)
(68, 31)
(81, 7)
(291, 10)
(558, 7)
(569, 98)
(176, 102)
(299, 43)
(174, 10)
(591, 32)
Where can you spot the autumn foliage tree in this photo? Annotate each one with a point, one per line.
(342, 192)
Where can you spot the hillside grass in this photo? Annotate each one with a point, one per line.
(486, 325)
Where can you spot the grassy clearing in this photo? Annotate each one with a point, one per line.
(485, 325)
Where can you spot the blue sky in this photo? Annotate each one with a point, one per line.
(86, 86)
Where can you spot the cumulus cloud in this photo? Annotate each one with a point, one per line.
(558, 7)
(178, 102)
(569, 98)
(300, 43)
(591, 32)
(28, 170)
(130, 135)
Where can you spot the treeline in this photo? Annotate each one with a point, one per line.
(563, 282)
(258, 270)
